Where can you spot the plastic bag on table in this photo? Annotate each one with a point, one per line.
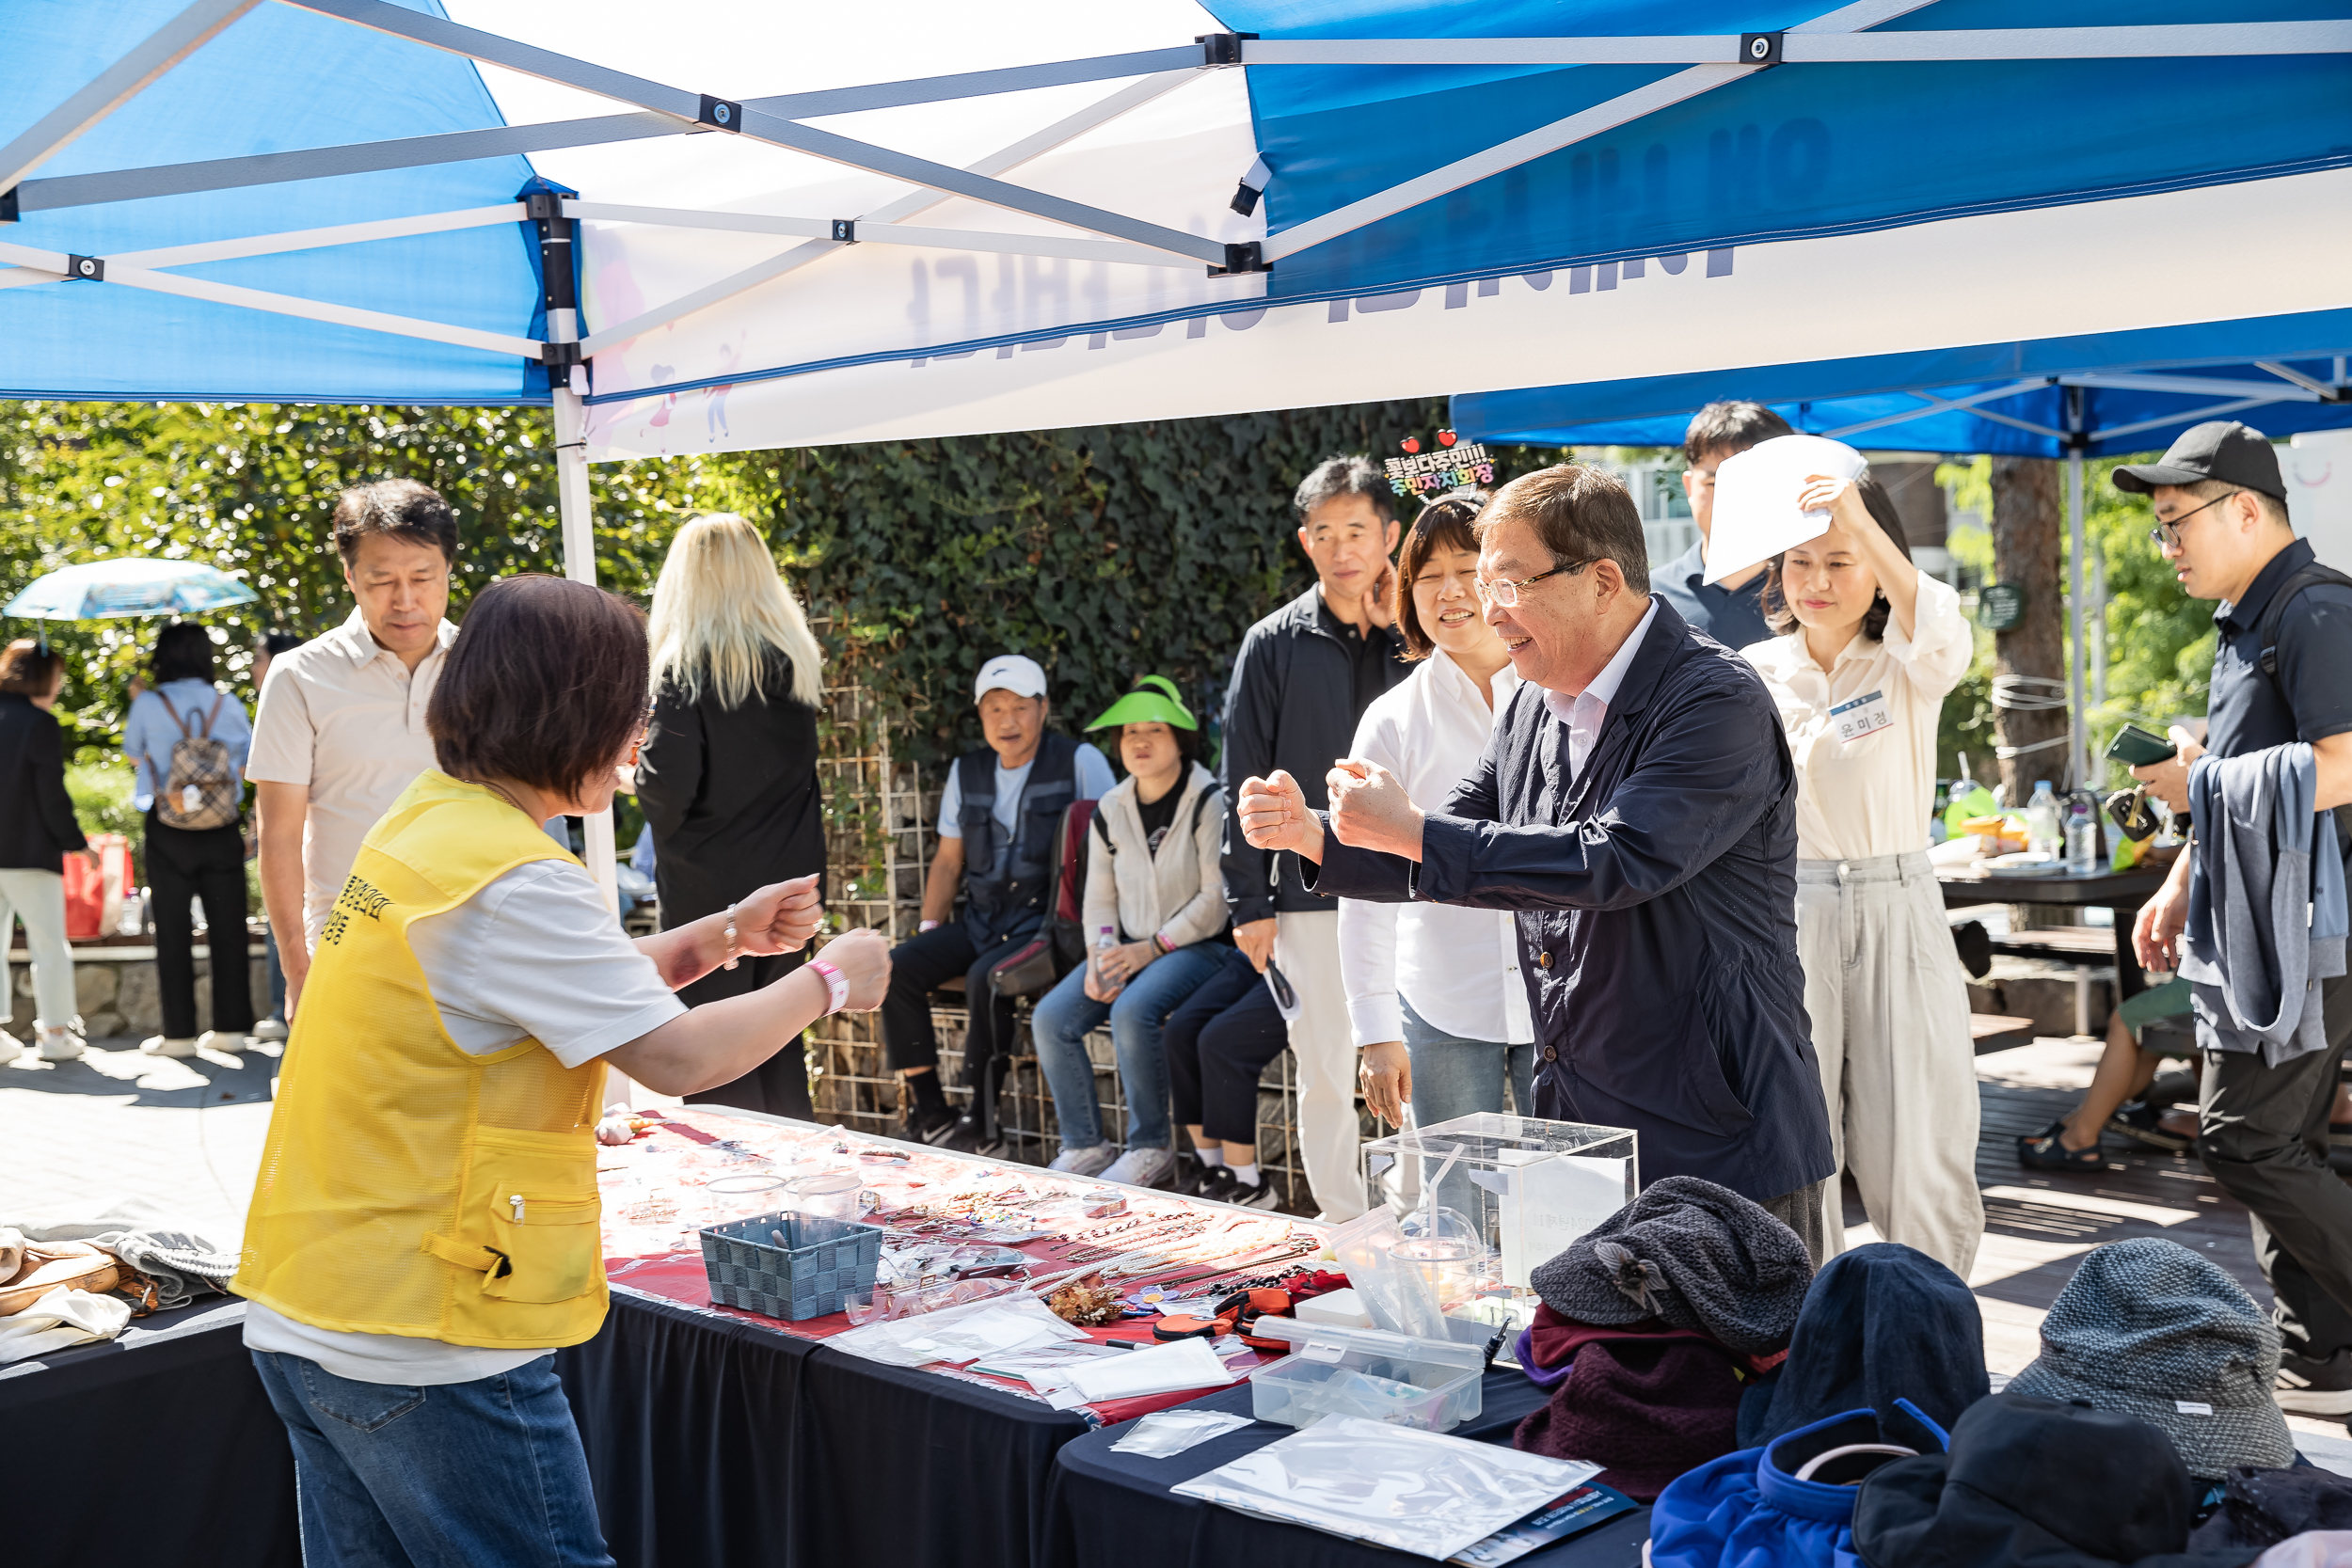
(1398, 1487)
(1172, 1432)
(1396, 1293)
(1004, 1323)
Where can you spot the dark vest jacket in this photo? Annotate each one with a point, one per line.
(1004, 895)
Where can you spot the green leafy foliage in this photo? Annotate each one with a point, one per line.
(2159, 641)
(250, 488)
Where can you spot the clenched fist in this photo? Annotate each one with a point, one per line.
(1274, 815)
(1370, 809)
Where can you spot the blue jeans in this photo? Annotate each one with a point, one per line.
(1061, 1023)
(487, 1474)
(1456, 1077)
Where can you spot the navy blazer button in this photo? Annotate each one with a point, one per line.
(1552, 1053)
(1543, 961)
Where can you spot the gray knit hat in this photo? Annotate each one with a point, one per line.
(2150, 1328)
(1692, 1255)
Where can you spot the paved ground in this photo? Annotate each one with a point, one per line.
(181, 1140)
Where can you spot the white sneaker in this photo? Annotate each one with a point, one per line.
(1142, 1167)
(230, 1041)
(158, 1045)
(1084, 1162)
(270, 1029)
(57, 1045)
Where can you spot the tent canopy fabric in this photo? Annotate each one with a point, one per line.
(275, 78)
(1033, 177)
(1802, 151)
(2093, 395)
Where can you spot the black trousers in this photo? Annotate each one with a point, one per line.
(919, 964)
(778, 1085)
(2263, 1135)
(181, 866)
(1217, 1043)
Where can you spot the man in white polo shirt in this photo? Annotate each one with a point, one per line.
(341, 731)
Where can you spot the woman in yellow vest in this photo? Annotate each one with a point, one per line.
(423, 1233)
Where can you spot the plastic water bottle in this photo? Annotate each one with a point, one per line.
(2082, 837)
(1106, 939)
(2046, 832)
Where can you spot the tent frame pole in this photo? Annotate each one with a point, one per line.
(2079, 739)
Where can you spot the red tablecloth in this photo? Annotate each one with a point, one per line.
(654, 1200)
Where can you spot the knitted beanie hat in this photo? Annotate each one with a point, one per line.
(1692, 1255)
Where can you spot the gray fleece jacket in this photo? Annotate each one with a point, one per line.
(2266, 909)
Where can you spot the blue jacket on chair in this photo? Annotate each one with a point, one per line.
(1748, 1507)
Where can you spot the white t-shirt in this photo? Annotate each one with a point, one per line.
(1093, 771)
(536, 954)
(344, 717)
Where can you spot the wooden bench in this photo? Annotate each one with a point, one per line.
(2089, 949)
(1998, 1032)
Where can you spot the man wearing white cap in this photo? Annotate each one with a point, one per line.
(997, 820)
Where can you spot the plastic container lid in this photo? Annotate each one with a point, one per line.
(1334, 1340)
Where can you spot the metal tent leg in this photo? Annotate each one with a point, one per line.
(2079, 720)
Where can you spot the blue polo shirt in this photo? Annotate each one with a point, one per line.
(1732, 616)
(2311, 699)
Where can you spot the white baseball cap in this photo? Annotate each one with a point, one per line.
(1013, 672)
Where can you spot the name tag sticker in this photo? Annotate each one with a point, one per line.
(2192, 1407)
(1862, 716)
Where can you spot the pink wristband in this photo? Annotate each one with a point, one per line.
(836, 984)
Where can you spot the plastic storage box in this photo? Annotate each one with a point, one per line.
(1526, 1187)
(819, 1265)
(1431, 1384)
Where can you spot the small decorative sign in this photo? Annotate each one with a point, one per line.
(2000, 605)
(1424, 473)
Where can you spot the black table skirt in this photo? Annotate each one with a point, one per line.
(165, 1435)
(1116, 1507)
(711, 1440)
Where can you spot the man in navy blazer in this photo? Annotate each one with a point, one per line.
(1636, 809)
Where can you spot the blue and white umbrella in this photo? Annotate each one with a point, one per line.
(101, 590)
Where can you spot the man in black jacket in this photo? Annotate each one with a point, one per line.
(1637, 808)
(1305, 675)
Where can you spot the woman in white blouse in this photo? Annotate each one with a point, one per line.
(1869, 645)
(1434, 995)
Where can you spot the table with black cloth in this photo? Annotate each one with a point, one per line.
(1116, 1507)
(159, 1444)
(713, 1439)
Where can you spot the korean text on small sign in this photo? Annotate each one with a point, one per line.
(1425, 473)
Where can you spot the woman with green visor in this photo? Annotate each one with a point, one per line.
(1154, 901)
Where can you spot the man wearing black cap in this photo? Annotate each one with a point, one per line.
(2283, 649)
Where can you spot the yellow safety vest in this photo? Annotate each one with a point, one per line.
(406, 1187)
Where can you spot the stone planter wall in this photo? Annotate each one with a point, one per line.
(115, 988)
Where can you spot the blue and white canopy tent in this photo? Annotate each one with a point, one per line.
(1185, 213)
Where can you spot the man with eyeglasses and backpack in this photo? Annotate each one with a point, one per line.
(2281, 654)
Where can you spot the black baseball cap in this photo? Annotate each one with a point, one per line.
(2225, 450)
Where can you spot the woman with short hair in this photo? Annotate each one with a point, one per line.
(728, 779)
(194, 841)
(1869, 646)
(425, 1231)
(37, 830)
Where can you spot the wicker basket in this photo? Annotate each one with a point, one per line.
(820, 1265)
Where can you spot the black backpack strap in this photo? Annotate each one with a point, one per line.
(1098, 829)
(1200, 807)
(2308, 575)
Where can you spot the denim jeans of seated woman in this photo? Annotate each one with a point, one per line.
(1061, 1023)
(471, 1475)
(1456, 1077)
